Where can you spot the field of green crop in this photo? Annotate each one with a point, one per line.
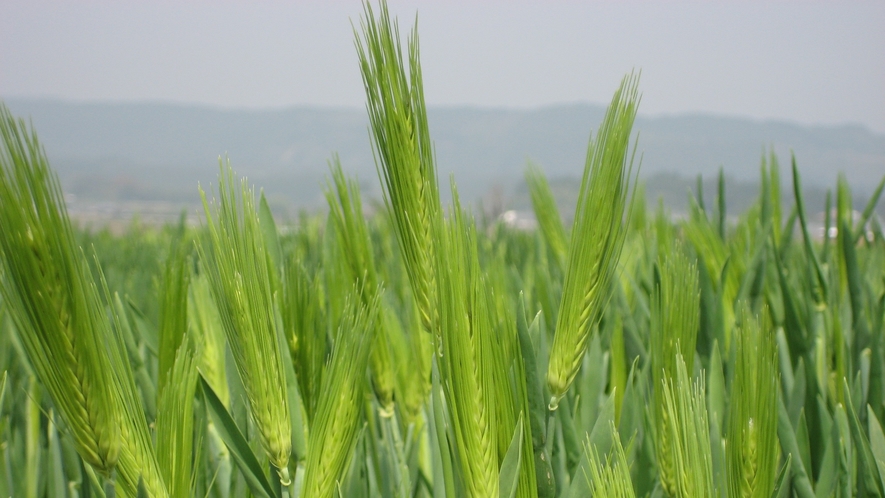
(419, 352)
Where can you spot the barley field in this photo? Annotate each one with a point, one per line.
(424, 351)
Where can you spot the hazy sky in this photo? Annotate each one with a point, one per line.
(810, 62)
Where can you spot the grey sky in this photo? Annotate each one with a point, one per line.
(810, 62)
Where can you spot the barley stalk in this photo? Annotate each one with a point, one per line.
(52, 299)
(465, 355)
(402, 147)
(596, 239)
(240, 272)
(62, 322)
(687, 429)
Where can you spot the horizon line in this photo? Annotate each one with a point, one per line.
(466, 106)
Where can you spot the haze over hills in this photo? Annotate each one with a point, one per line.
(160, 152)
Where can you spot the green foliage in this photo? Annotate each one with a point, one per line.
(405, 352)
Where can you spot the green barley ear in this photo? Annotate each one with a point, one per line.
(752, 447)
(52, 298)
(335, 430)
(464, 355)
(675, 314)
(609, 478)
(346, 212)
(240, 271)
(175, 423)
(402, 147)
(549, 219)
(596, 238)
(686, 427)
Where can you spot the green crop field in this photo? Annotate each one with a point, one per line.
(418, 352)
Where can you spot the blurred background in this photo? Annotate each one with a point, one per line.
(135, 101)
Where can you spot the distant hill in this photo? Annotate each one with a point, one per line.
(154, 151)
